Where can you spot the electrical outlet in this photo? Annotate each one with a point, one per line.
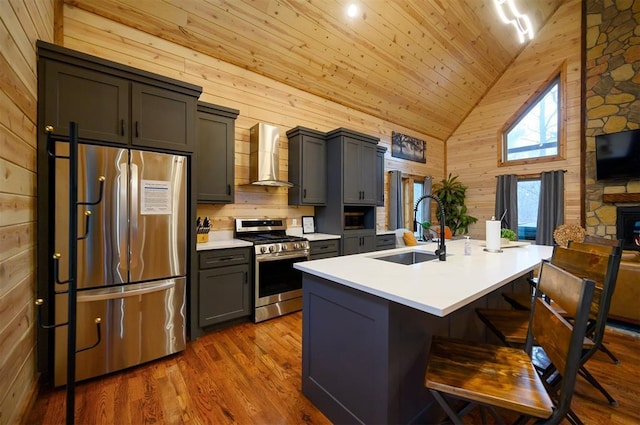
(294, 221)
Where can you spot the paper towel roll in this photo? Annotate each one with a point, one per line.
(493, 235)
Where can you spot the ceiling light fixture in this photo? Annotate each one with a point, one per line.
(352, 10)
(511, 15)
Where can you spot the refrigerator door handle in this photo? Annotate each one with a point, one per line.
(133, 217)
(109, 294)
(122, 211)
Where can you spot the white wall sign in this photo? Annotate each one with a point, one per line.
(155, 197)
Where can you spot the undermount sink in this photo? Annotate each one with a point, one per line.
(408, 258)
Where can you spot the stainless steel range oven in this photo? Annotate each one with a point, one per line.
(278, 286)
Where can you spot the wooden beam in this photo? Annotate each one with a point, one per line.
(621, 197)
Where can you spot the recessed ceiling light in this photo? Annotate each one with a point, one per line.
(352, 10)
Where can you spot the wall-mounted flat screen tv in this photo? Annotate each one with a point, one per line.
(618, 155)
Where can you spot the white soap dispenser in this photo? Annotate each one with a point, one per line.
(467, 246)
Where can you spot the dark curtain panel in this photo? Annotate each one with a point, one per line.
(507, 200)
(396, 216)
(551, 205)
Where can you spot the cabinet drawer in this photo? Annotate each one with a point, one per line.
(318, 248)
(224, 257)
(386, 241)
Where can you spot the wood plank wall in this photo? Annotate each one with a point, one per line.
(21, 24)
(472, 150)
(258, 99)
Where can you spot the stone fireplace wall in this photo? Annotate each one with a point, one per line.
(612, 101)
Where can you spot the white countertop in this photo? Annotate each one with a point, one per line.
(436, 287)
(297, 231)
(222, 239)
(320, 236)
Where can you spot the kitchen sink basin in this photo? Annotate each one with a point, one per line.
(407, 258)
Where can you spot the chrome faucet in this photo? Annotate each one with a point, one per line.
(441, 252)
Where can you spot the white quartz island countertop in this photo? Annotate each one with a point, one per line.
(435, 287)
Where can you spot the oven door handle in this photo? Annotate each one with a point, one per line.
(280, 256)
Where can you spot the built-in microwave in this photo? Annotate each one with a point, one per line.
(353, 220)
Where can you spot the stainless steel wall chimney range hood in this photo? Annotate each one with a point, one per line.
(264, 158)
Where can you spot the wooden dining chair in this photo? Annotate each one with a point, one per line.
(510, 326)
(592, 244)
(504, 377)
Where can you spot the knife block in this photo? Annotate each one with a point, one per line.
(203, 237)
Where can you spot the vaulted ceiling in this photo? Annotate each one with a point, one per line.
(422, 64)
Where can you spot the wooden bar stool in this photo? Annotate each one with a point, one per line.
(511, 325)
(504, 377)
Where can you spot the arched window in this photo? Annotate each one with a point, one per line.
(535, 133)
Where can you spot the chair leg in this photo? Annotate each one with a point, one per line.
(573, 418)
(445, 406)
(612, 356)
(586, 375)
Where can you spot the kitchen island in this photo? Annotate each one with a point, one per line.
(367, 324)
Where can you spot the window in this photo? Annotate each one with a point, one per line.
(534, 134)
(528, 199)
(418, 188)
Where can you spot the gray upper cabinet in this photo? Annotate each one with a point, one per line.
(114, 103)
(359, 172)
(97, 102)
(307, 167)
(380, 150)
(162, 118)
(215, 150)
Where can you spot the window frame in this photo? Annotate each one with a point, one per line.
(558, 76)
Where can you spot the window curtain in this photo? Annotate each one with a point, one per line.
(507, 200)
(396, 213)
(550, 206)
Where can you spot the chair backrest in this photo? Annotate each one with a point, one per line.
(593, 248)
(561, 341)
(596, 266)
(601, 240)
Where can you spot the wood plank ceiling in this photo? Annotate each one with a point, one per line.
(421, 64)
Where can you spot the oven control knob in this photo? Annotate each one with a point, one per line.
(270, 248)
(283, 247)
(262, 250)
(295, 245)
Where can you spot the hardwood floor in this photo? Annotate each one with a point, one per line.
(251, 374)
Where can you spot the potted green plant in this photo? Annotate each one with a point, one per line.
(452, 193)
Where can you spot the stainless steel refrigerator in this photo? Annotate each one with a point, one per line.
(132, 264)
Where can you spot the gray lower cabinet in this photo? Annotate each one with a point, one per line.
(357, 242)
(386, 241)
(215, 150)
(324, 249)
(224, 285)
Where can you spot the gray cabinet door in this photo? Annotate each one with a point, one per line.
(352, 172)
(359, 172)
(162, 118)
(224, 294)
(357, 243)
(368, 173)
(97, 102)
(380, 150)
(313, 171)
(215, 149)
